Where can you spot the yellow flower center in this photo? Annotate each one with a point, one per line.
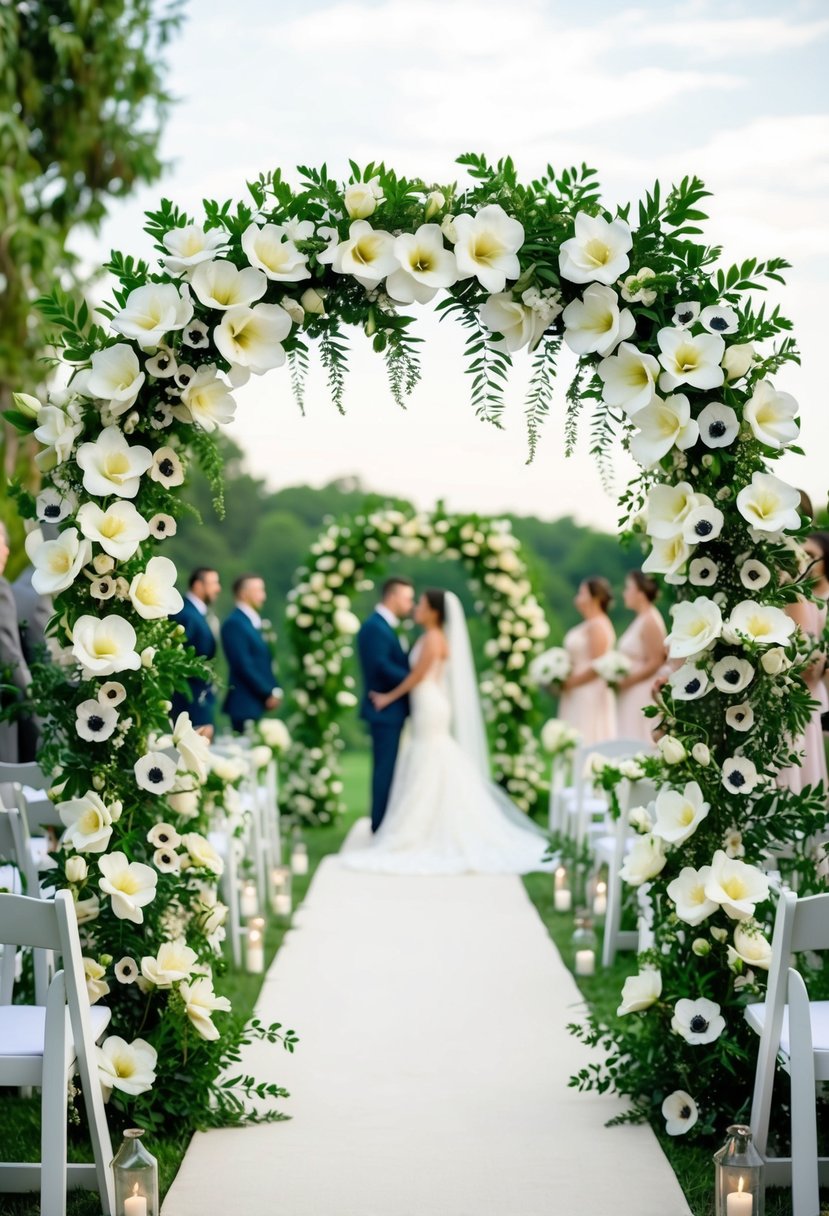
(126, 883)
(596, 252)
(124, 1066)
(116, 466)
(421, 261)
(486, 248)
(735, 888)
(686, 358)
(146, 591)
(366, 250)
(112, 526)
(60, 562)
(90, 822)
(686, 815)
(697, 894)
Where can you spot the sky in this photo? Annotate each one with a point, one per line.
(734, 91)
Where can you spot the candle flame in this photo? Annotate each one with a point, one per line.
(740, 1187)
(135, 1188)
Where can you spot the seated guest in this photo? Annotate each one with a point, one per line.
(14, 670)
(643, 643)
(202, 591)
(253, 686)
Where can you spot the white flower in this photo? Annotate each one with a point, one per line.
(193, 748)
(126, 970)
(163, 835)
(690, 360)
(76, 869)
(57, 432)
(119, 530)
(629, 378)
(53, 507)
(346, 622)
(200, 1003)
(688, 894)
(116, 377)
(733, 843)
(111, 466)
(696, 625)
(175, 961)
(751, 945)
(155, 772)
(57, 563)
(190, 245)
(166, 468)
(153, 590)
(149, 313)
(754, 574)
(279, 259)
(221, 285)
(252, 337)
(736, 886)
(361, 198)
(686, 313)
(425, 266)
(517, 324)
(346, 699)
(130, 885)
(703, 523)
(595, 324)
(663, 425)
(680, 1112)
(367, 254)
(96, 985)
(668, 508)
(207, 400)
(196, 335)
(740, 717)
(702, 572)
(644, 861)
(640, 991)
(639, 818)
(201, 852)
(671, 749)
(88, 823)
(112, 693)
(275, 733)
(719, 319)
(771, 416)
(739, 775)
(738, 359)
(668, 555)
(27, 404)
(162, 364)
(718, 424)
(732, 675)
(702, 754)
(598, 253)
(762, 624)
(313, 301)
(294, 309)
(633, 290)
(688, 682)
(95, 722)
(486, 247)
(774, 661)
(166, 861)
(162, 526)
(678, 815)
(769, 504)
(128, 1067)
(698, 1021)
(104, 647)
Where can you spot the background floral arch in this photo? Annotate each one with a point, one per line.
(346, 559)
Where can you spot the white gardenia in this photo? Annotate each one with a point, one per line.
(153, 591)
(57, 563)
(116, 376)
(128, 1067)
(104, 647)
(595, 323)
(486, 247)
(174, 962)
(762, 624)
(771, 416)
(698, 1021)
(689, 359)
(644, 861)
(200, 1003)
(629, 378)
(88, 823)
(425, 266)
(149, 313)
(267, 250)
(687, 891)
(252, 337)
(189, 245)
(130, 886)
(598, 252)
(769, 504)
(111, 465)
(696, 625)
(678, 815)
(663, 425)
(119, 530)
(640, 991)
(736, 886)
(221, 285)
(517, 324)
(668, 508)
(366, 253)
(193, 748)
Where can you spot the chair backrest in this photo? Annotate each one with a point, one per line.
(811, 923)
(30, 922)
(24, 774)
(800, 924)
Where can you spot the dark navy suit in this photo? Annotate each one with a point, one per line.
(251, 676)
(200, 702)
(384, 665)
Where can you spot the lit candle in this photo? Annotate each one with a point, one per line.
(255, 953)
(563, 899)
(282, 904)
(738, 1203)
(600, 899)
(136, 1205)
(249, 903)
(299, 858)
(561, 878)
(586, 965)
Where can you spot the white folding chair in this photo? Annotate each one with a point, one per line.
(794, 1031)
(44, 1046)
(581, 806)
(609, 850)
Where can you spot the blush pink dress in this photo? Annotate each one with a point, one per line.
(631, 723)
(591, 707)
(812, 767)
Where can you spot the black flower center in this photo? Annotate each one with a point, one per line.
(95, 723)
(103, 586)
(718, 323)
(736, 778)
(163, 362)
(160, 526)
(717, 429)
(698, 1024)
(685, 1113)
(732, 676)
(692, 686)
(165, 859)
(685, 317)
(705, 572)
(740, 716)
(163, 838)
(112, 693)
(183, 379)
(703, 527)
(52, 511)
(155, 775)
(166, 467)
(195, 335)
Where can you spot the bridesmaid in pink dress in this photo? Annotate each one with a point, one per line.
(643, 643)
(586, 701)
(811, 618)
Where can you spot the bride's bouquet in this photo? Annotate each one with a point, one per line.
(612, 667)
(551, 667)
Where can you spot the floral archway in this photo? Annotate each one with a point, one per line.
(344, 560)
(677, 355)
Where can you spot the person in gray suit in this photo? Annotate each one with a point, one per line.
(14, 669)
(33, 613)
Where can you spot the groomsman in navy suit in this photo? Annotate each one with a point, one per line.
(201, 627)
(253, 686)
(384, 665)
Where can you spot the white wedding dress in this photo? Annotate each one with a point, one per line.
(445, 814)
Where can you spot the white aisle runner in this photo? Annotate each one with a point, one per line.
(431, 1077)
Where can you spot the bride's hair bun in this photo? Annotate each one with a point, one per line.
(436, 599)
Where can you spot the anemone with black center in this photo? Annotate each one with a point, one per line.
(51, 511)
(95, 723)
(703, 527)
(155, 775)
(693, 685)
(718, 324)
(698, 1024)
(732, 676)
(717, 429)
(737, 779)
(685, 1112)
(166, 467)
(684, 317)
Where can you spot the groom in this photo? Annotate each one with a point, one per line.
(384, 665)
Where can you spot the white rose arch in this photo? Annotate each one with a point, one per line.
(677, 359)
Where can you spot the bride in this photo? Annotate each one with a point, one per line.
(445, 815)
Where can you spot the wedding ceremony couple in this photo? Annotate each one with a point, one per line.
(434, 807)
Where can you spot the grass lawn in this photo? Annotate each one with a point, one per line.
(20, 1120)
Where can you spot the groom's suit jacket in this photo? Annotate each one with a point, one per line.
(251, 675)
(384, 665)
(200, 702)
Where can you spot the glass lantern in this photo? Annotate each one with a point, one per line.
(584, 946)
(135, 1173)
(299, 853)
(738, 1176)
(562, 895)
(281, 890)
